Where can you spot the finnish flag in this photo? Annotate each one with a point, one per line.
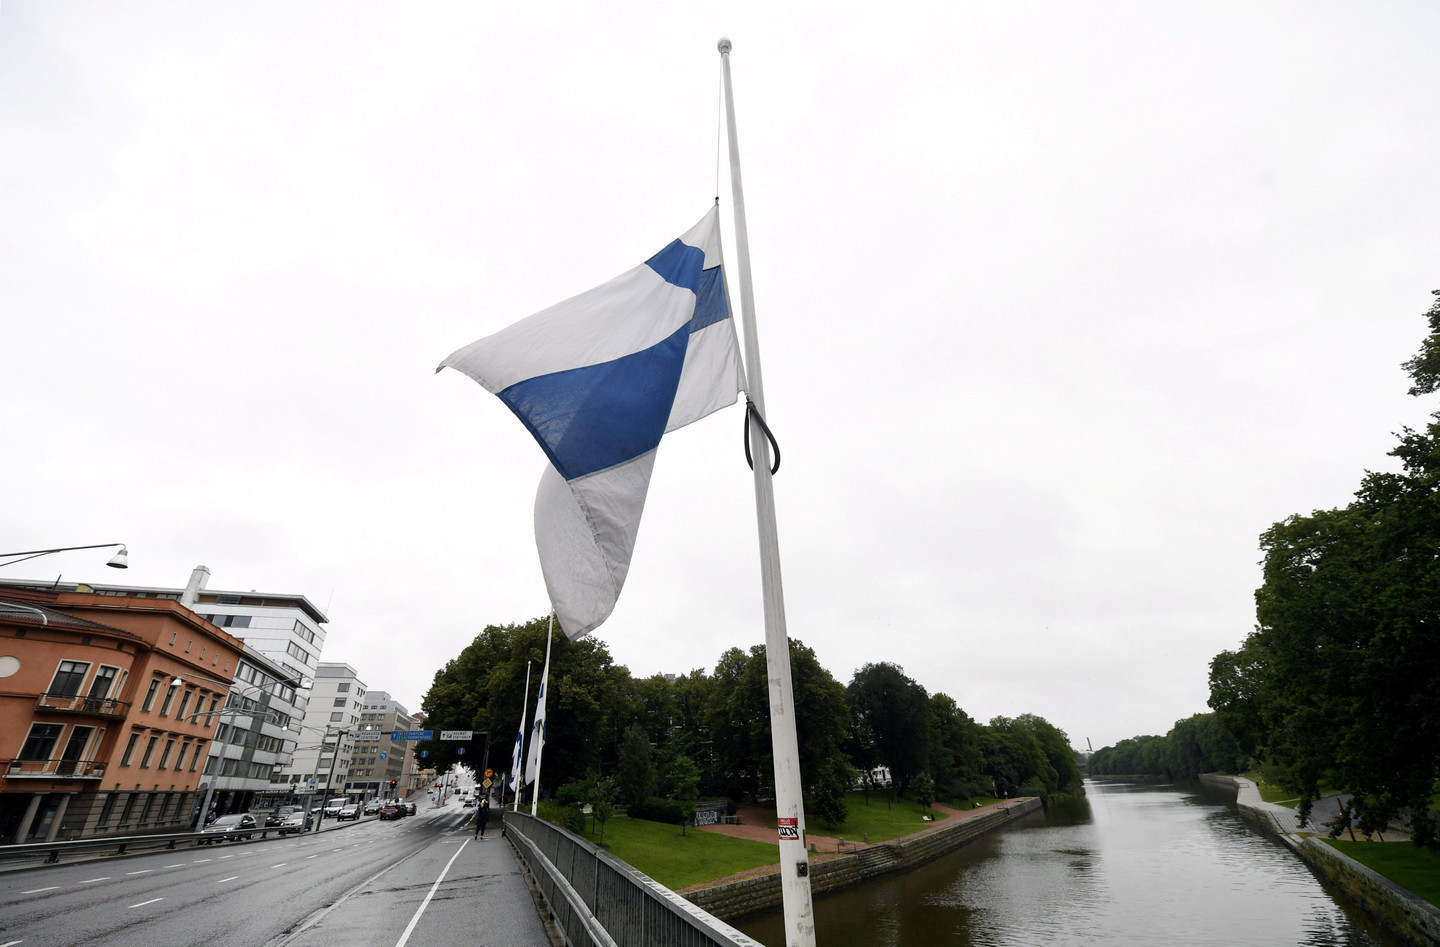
(598, 379)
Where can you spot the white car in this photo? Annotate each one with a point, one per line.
(295, 822)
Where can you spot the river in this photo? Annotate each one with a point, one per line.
(1127, 864)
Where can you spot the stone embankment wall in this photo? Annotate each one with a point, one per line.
(737, 899)
(1414, 919)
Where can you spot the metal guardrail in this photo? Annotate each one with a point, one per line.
(599, 901)
(118, 844)
(103, 706)
(52, 769)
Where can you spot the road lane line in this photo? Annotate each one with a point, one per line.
(223, 880)
(201, 861)
(176, 865)
(143, 903)
(88, 881)
(38, 890)
(405, 937)
(142, 871)
(316, 855)
(223, 857)
(281, 865)
(12, 943)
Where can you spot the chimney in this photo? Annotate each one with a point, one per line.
(199, 578)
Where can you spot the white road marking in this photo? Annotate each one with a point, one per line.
(201, 861)
(281, 865)
(143, 871)
(12, 943)
(38, 890)
(143, 903)
(405, 937)
(176, 865)
(223, 857)
(223, 880)
(88, 881)
(312, 856)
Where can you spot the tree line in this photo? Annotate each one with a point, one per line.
(1338, 686)
(1195, 745)
(708, 733)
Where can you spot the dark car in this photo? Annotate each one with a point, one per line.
(392, 810)
(280, 814)
(229, 828)
(409, 808)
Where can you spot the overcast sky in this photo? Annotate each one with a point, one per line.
(1061, 305)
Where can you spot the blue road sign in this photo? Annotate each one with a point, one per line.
(460, 750)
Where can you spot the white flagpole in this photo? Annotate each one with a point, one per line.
(519, 761)
(789, 805)
(540, 750)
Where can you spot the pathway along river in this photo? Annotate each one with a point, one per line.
(1127, 864)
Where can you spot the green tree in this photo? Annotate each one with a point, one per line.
(892, 710)
(1341, 678)
(635, 770)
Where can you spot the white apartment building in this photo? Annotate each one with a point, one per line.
(379, 758)
(331, 722)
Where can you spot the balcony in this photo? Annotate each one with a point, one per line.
(54, 769)
(94, 706)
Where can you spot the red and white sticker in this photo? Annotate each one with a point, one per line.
(789, 829)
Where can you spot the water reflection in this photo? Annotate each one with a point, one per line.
(1128, 863)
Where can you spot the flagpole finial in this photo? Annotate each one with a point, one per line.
(723, 45)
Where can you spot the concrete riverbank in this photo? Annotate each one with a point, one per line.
(737, 898)
(1416, 920)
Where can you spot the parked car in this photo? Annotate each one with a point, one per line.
(373, 806)
(296, 821)
(392, 810)
(280, 814)
(332, 809)
(230, 827)
(349, 813)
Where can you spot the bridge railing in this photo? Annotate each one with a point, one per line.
(599, 901)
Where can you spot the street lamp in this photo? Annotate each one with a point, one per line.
(117, 561)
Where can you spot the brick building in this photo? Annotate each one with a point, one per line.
(107, 710)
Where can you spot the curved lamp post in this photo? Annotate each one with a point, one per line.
(118, 561)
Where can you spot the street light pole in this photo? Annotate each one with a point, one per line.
(334, 755)
(118, 561)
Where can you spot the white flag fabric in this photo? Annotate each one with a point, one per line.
(537, 730)
(515, 759)
(598, 379)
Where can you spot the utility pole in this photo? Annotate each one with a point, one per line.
(329, 781)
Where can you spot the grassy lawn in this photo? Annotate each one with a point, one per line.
(1417, 870)
(677, 861)
(881, 819)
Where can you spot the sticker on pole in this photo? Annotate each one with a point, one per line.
(789, 829)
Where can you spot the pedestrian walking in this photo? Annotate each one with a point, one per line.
(482, 815)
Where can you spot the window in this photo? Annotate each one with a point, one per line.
(150, 695)
(336, 716)
(169, 698)
(180, 757)
(184, 703)
(129, 749)
(68, 678)
(165, 754)
(199, 752)
(107, 809)
(100, 687)
(41, 741)
(339, 702)
(149, 752)
(341, 688)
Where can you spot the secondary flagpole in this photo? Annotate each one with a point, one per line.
(517, 762)
(789, 804)
(539, 750)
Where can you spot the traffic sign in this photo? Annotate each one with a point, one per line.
(412, 734)
(487, 781)
(462, 735)
(489, 773)
(460, 750)
(382, 756)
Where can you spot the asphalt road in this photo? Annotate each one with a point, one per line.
(419, 880)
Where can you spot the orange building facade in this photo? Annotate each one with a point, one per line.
(96, 736)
